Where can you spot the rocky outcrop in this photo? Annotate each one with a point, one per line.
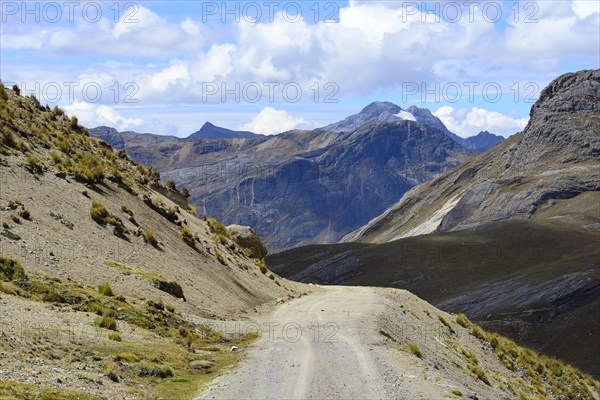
(245, 237)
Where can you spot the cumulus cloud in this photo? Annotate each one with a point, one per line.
(139, 32)
(94, 115)
(375, 48)
(468, 122)
(270, 121)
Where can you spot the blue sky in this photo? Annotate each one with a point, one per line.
(167, 67)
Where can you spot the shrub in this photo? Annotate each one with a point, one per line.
(446, 323)
(125, 356)
(462, 320)
(217, 226)
(220, 257)
(477, 332)
(25, 214)
(171, 185)
(414, 349)
(159, 371)
(127, 210)
(96, 308)
(457, 393)
(106, 323)
(105, 289)
(16, 89)
(98, 212)
(222, 238)
(3, 94)
(116, 224)
(11, 270)
(56, 158)
(192, 210)
(14, 204)
(114, 336)
(187, 236)
(262, 267)
(9, 140)
(57, 111)
(170, 308)
(110, 370)
(74, 123)
(15, 219)
(34, 163)
(480, 374)
(149, 238)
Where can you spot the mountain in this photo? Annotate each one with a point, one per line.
(482, 141)
(383, 111)
(304, 186)
(112, 288)
(510, 237)
(321, 184)
(535, 174)
(209, 130)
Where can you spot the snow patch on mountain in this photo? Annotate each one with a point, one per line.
(406, 115)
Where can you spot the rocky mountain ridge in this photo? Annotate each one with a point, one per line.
(555, 158)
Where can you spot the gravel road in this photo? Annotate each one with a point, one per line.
(323, 346)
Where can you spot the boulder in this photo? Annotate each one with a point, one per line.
(245, 237)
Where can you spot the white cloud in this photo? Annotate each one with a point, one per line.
(270, 121)
(374, 48)
(465, 122)
(143, 33)
(94, 115)
(585, 8)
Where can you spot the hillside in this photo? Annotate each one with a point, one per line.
(534, 174)
(534, 282)
(77, 214)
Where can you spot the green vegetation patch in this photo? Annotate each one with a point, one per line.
(163, 283)
(544, 374)
(28, 391)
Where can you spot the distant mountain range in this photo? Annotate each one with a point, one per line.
(306, 186)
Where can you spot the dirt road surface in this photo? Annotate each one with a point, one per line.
(326, 345)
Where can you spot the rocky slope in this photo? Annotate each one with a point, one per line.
(556, 157)
(105, 275)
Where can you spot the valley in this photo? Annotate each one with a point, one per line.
(113, 287)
